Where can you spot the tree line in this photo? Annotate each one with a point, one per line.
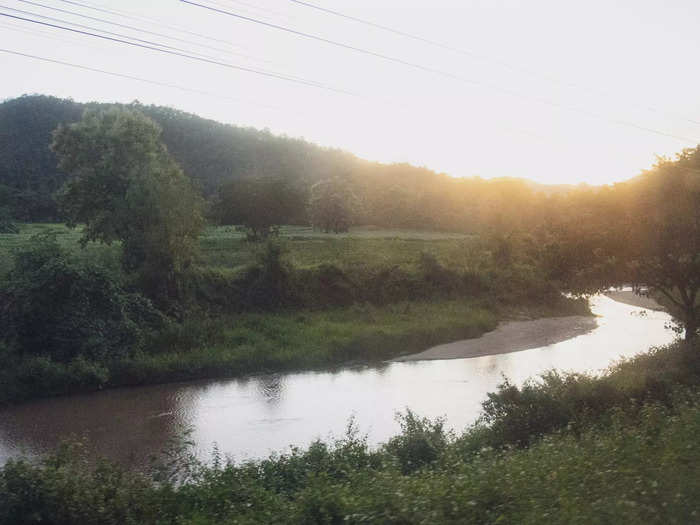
(218, 157)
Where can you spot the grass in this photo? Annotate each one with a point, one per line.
(225, 249)
(67, 237)
(253, 343)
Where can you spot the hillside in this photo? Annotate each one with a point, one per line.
(212, 153)
(208, 151)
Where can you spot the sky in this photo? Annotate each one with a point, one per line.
(556, 91)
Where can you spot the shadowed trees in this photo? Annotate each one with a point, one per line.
(259, 205)
(665, 240)
(124, 186)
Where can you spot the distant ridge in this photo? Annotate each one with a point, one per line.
(211, 153)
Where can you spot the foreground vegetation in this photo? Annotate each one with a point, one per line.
(621, 448)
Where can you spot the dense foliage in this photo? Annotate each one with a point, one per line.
(124, 186)
(665, 243)
(29, 175)
(63, 320)
(259, 205)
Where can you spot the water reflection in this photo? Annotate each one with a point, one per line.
(270, 388)
(249, 417)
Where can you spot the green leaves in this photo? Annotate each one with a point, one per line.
(60, 308)
(124, 186)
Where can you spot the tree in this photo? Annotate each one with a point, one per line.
(332, 205)
(124, 186)
(260, 205)
(666, 236)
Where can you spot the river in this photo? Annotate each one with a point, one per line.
(252, 416)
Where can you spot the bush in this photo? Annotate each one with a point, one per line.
(326, 285)
(61, 308)
(269, 282)
(391, 285)
(420, 442)
(437, 279)
(517, 416)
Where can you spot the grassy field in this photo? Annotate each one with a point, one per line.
(223, 248)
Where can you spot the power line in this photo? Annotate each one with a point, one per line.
(165, 84)
(131, 16)
(161, 83)
(440, 72)
(125, 26)
(475, 55)
(148, 42)
(260, 8)
(181, 53)
(331, 42)
(43, 34)
(133, 77)
(270, 74)
(82, 26)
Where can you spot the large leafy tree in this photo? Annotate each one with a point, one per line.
(124, 186)
(665, 235)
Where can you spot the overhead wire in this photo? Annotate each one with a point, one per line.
(83, 26)
(260, 72)
(478, 56)
(125, 26)
(158, 23)
(166, 84)
(137, 78)
(184, 54)
(440, 72)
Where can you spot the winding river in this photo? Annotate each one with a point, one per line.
(252, 416)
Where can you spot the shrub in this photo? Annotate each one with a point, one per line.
(437, 279)
(391, 284)
(517, 416)
(326, 285)
(268, 282)
(58, 307)
(420, 442)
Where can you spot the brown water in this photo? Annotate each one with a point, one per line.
(252, 416)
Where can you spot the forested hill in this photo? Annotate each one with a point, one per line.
(208, 151)
(212, 154)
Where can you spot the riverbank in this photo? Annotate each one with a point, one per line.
(237, 345)
(513, 336)
(298, 303)
(631, 298)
